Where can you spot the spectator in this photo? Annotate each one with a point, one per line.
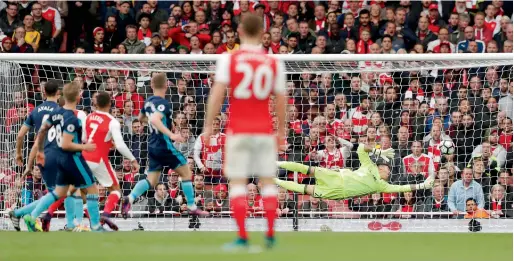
(425, 161)
(230, 45)
(186, 147)
(201, 194)
(314, 205)
(113, 35)
(130, 94)
(10, 21)
(437, 202)
(221, 202)
(32, 36)
(19, 43)
(474, 211)
(498, 204)
(208, 158)
(286, 207)
(161, 202)
(482, 32)
(506, 103)
(132, 44)
(406, 203)
(469, 36)
(254, 200)
(128, 116)
(463, 189)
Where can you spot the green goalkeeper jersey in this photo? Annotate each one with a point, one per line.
(365, 180)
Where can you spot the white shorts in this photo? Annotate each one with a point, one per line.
(104, 173)
(250, 155)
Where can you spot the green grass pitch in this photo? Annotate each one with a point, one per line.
(297, 246)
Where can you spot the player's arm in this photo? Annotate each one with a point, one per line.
(196, 153)
(363, 153)
(40, 138)
(217, 93)
(69, 132)
(19, 143)
(156, 121)
(115, 129)
(388, 188)
(280, 99)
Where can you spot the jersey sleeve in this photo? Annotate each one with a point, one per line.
(364, 158)
(222, 74)
(388, 188)
(29, 122)
(115, 130)
(81, 116)
(71, 125)
(163, 106)
(280, 79)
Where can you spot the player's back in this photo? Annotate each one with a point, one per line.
(157, 140)
(252, 79)
(40, 114)
(63, 120)
(98, 131)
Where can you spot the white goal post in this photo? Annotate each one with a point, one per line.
(314, 83)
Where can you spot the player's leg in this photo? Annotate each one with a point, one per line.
(155, 167)
(295, 187)
(187, 187)
(264, 166)
(91, 192)
(78, 210)
(237, 169)
(106, 177)
(45, 202)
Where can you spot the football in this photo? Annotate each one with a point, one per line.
(447, 147)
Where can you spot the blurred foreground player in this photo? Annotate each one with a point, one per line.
(252, 78)
(370, 178)
(102, 129)
(161, 152)
(72, 168)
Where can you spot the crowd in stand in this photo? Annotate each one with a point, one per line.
(410, 111)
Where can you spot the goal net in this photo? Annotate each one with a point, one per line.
(412, 103)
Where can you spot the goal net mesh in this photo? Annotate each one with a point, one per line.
(411, 106)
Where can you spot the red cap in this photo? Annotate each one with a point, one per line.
(226, 23)
(433, 6)
(203, 26)
(220, 187)
(7, 38)
(97, 29)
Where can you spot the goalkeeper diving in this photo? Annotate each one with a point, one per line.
(340, 184)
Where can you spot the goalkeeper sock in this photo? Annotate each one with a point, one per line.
(79, 213)
(292, 186)
(293, 166)
(69, 206)
(93, 209)
(55, 206)
(44, 203)
(20, 212)
(270, 202)
(141, 187)
(238, 202)
(112, 201)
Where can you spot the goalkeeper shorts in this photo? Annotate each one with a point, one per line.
(329, 184)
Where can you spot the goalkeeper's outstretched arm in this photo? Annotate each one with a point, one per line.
(388, 188)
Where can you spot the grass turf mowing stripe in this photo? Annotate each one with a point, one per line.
(203, 246)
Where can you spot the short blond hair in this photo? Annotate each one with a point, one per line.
(71, 91)
(159, 81)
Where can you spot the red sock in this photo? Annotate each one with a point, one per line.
(56, 205)
(86, 213)
(270, 208)
(239, 213)
(112, 201)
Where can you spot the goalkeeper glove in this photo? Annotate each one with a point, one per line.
(386, 154)
(428, 184)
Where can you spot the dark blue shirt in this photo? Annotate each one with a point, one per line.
(63, 121)
(40, 114)
(157, 140)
